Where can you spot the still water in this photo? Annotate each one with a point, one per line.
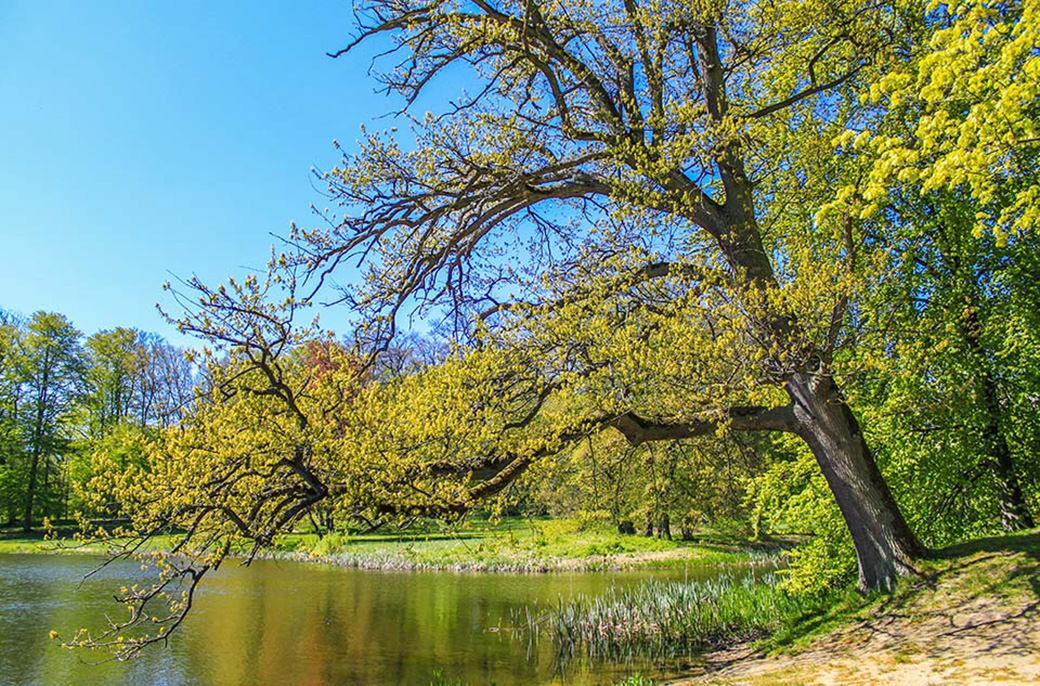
(307, 624)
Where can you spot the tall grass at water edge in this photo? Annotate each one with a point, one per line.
(666, 619)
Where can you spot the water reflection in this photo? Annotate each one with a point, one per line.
(290, 623)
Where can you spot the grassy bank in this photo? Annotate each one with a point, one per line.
(971, 617)
(509, 545)
(522, 545)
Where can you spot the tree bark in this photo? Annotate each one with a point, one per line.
(37, 447)
(1014, 514)
(30, 493)
(885, 546)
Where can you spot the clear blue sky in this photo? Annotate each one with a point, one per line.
(139, 139)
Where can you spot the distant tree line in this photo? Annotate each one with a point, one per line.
(70, 405)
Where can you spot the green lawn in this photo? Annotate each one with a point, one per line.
(517, 544)
(511, 544)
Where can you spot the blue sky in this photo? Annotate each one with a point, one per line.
(140, 139)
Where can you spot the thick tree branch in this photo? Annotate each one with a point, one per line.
(637, 430)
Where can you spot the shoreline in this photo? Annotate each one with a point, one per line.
(536, 566)
(493, 552)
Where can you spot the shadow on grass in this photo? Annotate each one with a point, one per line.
(1027, 542)
(974, 552)
(19, 535)
(871, 614)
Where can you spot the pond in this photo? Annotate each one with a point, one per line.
(295, 623)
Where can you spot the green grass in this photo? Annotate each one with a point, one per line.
(25, 546)
(518, 545)
(510, 545)
(635, 680)
(65, 544)
(440, 680)
(666, 619)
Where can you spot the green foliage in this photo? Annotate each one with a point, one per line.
(792, 497)
(963, 117)
(635, 680)
(946, 369)
(74, 418)
(114, 466)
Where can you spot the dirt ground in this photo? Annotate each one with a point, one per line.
(972, 618)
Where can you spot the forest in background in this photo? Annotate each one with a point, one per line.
(73, 408)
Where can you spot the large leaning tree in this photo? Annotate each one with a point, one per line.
(616, 215)
(626, 188)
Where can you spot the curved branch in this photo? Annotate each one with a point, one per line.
(648, 272)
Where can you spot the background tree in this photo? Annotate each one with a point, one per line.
(688, 484)
(114, 376)
(965, 375)
(947, 183)
(70, 413)
(167, 379)
(53, 370)
(11, 447)
(136, 376)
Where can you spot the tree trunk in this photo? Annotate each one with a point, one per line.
(1014, 514)
(885, 546)
(30, 493)
(664, 527)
